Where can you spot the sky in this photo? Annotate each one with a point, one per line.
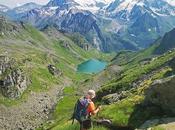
(14, 3)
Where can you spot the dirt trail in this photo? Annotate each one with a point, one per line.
(31, 113)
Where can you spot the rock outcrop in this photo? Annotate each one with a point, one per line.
(161, 93)
(7, 27)
(112, 98)
(172, 64)
(161, 124)
(12, 80)
(54, 71)
(65, 44)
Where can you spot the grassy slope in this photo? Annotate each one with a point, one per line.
(134, 73)
(61, 116)
(128, 111)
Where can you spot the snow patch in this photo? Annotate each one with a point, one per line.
(87, 3)
(53, 8)
(133, 35)
(149, 30)
(127, 5)
(171, 2)
(92, 9)
(140, 4)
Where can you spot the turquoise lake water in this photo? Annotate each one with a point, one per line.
(91, 66)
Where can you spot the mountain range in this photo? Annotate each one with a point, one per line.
(41, 51)
(107, 25)
(3, 8)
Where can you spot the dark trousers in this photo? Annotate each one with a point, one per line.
(86, 124)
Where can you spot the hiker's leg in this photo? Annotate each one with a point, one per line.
(86, 125)
(81, 126)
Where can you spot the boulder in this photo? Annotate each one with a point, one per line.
(54, 71)
(86, 47)
(162, 94)
(13, 82)
(65, 44)
(111, 98)
(160, 124)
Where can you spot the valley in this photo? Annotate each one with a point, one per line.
(33, 56)
(52, 54)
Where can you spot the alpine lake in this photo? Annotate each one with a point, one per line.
(91, 66)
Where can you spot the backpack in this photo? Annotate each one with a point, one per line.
(80, 110)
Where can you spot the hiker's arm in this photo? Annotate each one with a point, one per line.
(96, 110)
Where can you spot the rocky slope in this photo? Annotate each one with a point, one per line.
(161, 94)
(32, 112)
(3, 8)
(167, 43)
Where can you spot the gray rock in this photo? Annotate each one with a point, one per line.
(103, 122)
(155, 122)
(54, 71)
(7, 27)
(111, 98)
(14, 84)
(162, 93)
(12, 80)
(65, 44)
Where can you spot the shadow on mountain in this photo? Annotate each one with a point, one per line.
(149, 116)
(143, 113)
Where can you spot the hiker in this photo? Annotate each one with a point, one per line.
(84, 109)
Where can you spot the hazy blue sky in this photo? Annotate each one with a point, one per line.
(14, 3)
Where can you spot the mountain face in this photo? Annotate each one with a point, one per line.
(89, 5)
(68, 16)
(143, 21)
(26, 7)
(18, 11)
(108, 25)
(3, 8)
(126, 8)
(167, 43)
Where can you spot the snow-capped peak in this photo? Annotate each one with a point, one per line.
(128, 5)
(3, 8)
(155, 7)
(92, 2)
(171, 2)
(90, 5)
(26, 7)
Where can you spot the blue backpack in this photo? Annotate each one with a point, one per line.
(80, 110)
